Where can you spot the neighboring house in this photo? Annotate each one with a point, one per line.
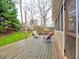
(65, 33)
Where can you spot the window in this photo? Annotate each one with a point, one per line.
(71, 21)
(59, 21)
(70, 47)
(70, 37)
(78, 14)
(62, 19)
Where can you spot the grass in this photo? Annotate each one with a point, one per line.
(16, 36)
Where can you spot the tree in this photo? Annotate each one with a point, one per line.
(21, 11)
(9, 13)
(20, 5)
(30, 8)
(44, 6)
(39, 9)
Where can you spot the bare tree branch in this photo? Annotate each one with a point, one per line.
(44, 7)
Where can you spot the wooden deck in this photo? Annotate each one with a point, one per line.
(31, 49)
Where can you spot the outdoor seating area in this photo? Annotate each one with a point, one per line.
(39, 29)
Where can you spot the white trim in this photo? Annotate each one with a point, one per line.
(63, 26)
(64, 2)
(63, 31)
(77, 20)
(58, 31)
(76, 30)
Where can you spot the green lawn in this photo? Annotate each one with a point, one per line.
(16, 36)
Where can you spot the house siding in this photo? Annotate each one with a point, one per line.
(56, 7)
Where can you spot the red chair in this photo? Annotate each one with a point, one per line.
(48, 36)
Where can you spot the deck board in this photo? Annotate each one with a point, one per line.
(31, 49)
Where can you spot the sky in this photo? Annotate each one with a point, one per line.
(24, 2)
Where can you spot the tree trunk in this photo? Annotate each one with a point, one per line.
(41, 22)
(21, 11)
(25, 21)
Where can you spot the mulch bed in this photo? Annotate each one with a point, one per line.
(5, 33)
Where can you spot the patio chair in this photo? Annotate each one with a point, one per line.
(48, 36)
(34, 33)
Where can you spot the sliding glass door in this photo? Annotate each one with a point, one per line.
(70, 40)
